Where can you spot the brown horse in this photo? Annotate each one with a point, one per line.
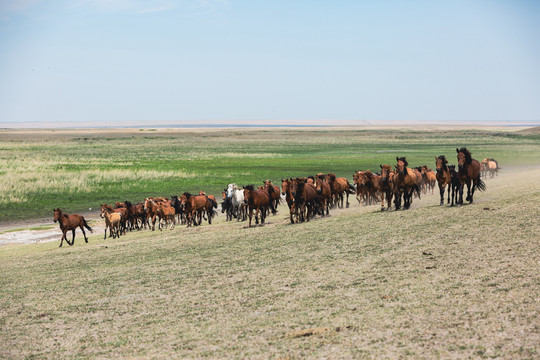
(454, 185)
(305, 199)
(386, 185)
(405, 184)
(443, 177)
(166, 214)
(112, 222)
(286, 191)
(469, 171)
(194, 205)
(339, 186)
(430, 178)
(324, 192)
(273, 192)
(371, 185)
(257, 200)
(70, 222)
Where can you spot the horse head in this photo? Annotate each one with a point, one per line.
(401, 166)
(57, 214)
(463, 157)
(385, 172)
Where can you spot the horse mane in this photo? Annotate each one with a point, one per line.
(320, 176)
(311, 177)
(187, 195)
(127, 203)
(332, 176)
(403, 159)
(249, 187)
(467, 153)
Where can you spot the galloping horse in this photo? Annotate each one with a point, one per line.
(305, 199)
(194, 205)
(430, 178)
(492, 166)
(324, 192)
(386, 185)
(257, 200)
(469, 170)
(443, 176)
(339, 186)
(455, 183)
(405, 182)
(70, 222)
(273, 191)
(112, 222)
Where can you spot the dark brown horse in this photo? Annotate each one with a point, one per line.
(70, 222)
(469, 171)
(273, 192)
(286, 190)
(454, 184)
(305, 199)
(324, 192)
(405, 183)
(443, 177)
(387, 185)
(257, 200)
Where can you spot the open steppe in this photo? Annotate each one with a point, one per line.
(429, 282)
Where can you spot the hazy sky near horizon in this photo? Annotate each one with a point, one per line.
(276, 61)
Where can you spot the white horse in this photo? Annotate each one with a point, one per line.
(237, 198)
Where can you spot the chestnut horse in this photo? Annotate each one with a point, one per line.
(443, 177)
(386, 186)
(405, 182)
(339, 186)
(430, 178)
(194, 205)
(257, 200)
(469, 171)
(70, 222)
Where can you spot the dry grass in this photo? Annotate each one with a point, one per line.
(429, 282)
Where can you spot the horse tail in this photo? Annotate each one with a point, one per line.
(352, 190)
(211, 211)
(481, 185)
(85, 224)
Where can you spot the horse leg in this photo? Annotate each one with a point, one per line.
(72, 237)
(347, 193)
(250, 215)
(62, 240)
(441, 191)
(469, 198)
(460, 201)
(84, 234)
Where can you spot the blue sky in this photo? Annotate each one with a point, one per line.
(228, 61)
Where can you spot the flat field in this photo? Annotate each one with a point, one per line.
(428, 282)
(78, 169)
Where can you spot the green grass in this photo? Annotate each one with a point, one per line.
(429, 282)
(78, 171)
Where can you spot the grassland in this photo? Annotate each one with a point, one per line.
(79, 169)
(429, 282)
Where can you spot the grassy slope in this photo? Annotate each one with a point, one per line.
(78, 171)
(427, 282)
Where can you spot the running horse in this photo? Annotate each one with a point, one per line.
(289, 198)
(443, 177)
(469, 172)
(387, 185)
(258, 200)
(406, 183)
(70, 222)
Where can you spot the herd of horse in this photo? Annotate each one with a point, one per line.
(306, 197)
